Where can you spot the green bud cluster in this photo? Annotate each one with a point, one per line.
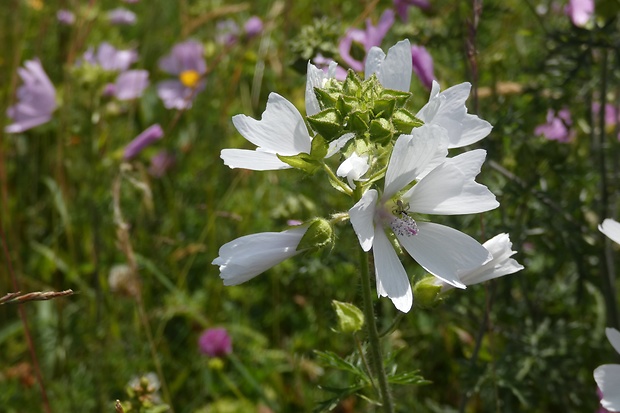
(364, 108)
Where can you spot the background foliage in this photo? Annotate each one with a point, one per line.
(526, 342)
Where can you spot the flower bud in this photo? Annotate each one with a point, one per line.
(426, 293)
(318, 235)
(350, 318)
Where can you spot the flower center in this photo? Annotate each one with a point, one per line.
(402, 224)
(189, 78)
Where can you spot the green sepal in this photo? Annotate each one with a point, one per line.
(381, 130)
(302, 161)
(318, 235)
(383, 107)
(358, 121)
(326, 99)
(399, 96)
(404, 121)
(327, 122)
(352, 84)
(350, 318)
(426, 293)
(346, 104)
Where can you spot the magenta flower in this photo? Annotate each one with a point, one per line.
(65, 17)
(215, 342)
(402, 6)
(372, 36)
(150, 135)
(161, 163)
(557, 128)
(423, 65)
(36, 99)
(253, 26)
(121, 16)
(109, 58)
(185, 61)
(580, 11)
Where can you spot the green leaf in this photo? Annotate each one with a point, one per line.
(350, 318)
(412, 377)
(319, 148)
(383, 107)
(358, 121)
(327, 100)
(302, 161)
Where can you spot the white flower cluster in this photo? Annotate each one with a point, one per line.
(420, 178)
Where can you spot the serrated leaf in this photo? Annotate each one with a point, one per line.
(412, 377)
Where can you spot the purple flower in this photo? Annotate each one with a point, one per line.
(580, 11)
(372, 36)
(36, 99)
(557, 128)
(402, 6)
(423, 65)
(131, 1)
(186, 61)
(227, 32)
(121, 16)
(65, 17)
(215, 342)
(109, 58)
(150, 135)
(253, 26)
(160, 163)
(129, 85)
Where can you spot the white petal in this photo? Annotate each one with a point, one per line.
(393, 71)
(281, 129)
(362, 218)
(500, 248)
(450, 189)
(607, 378)
(613, 336)
(316, 78)
(255, 160)
(445, 252)
(447, 109)
(611, 228)
(392, 280)
(353, 168)
(336, 145)
(246, 257)
(411, 155)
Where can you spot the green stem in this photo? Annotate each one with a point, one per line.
(373, 336)
(335, 180)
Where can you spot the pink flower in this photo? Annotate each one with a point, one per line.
(580, 11)
(215, 342)
(372, 36)
(557, 128)
(423, 65)
(402, 6)
(150, 135)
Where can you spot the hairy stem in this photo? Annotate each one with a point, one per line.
(373, 336)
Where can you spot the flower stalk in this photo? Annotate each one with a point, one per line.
(378, 369)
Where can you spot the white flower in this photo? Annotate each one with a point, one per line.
(447, 109)
(448, 189)
(281, 131)
(244, 258)
(607, 376)
(394, 70)
(353, 168)
(611, 228)
(501, 264)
